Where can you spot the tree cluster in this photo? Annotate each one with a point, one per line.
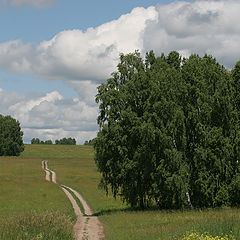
(66, 141)
(38, 141)
(170, 131)
(90, 142)
(11, 143)
(63, 141)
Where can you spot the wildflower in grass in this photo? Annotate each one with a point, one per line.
(206, 236)
(38, 237)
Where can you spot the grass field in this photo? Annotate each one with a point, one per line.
(23, 190)
(28, 204)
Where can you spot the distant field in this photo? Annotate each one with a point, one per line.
(23, 190)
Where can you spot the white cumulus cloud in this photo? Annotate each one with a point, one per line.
(203, 26)
(77, 55)
(197, 27)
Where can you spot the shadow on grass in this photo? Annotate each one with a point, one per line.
(153, 209)
(132, 209)
(114, 210)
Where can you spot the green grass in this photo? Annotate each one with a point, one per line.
(37, 225)
(24, 190)
(75, 167)
(171, 225)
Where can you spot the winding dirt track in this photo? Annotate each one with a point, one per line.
(87, 226)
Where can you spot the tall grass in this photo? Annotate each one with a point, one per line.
(36, 226)
(151, 225)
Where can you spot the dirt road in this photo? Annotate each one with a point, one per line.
(87, 226)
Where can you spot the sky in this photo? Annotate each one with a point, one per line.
(54, 53)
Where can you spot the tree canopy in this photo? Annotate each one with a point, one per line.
(63, 141)
(66, 141)
(169, 131)
(11, 143)
(38, 141)
(90, 142)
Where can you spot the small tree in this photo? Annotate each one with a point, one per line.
(11, 143)
(48, 142)
(35, 141)
(90, 142)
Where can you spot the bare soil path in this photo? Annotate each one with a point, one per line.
(49, 172)
(87, 226)
(45, 168)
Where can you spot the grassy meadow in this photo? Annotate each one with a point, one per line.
(32, 206)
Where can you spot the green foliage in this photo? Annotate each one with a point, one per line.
(90, 142)
(48, 142)
(38, 141)
(63, 141)
(35, 141)
(11, 143)
(66, 141)
(169, 131)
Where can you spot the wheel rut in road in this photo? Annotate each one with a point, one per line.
(87, 226)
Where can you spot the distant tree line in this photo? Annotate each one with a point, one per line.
(63, 141)
(11, 142)
(38, 141)
(170, 131)
(89, 142)
(66, 141)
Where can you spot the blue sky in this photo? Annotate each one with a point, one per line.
(35, 25)
(54, 53)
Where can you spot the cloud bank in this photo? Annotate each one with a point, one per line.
(77, 55)
(86, 58)
(197, 27)
(50, 116)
